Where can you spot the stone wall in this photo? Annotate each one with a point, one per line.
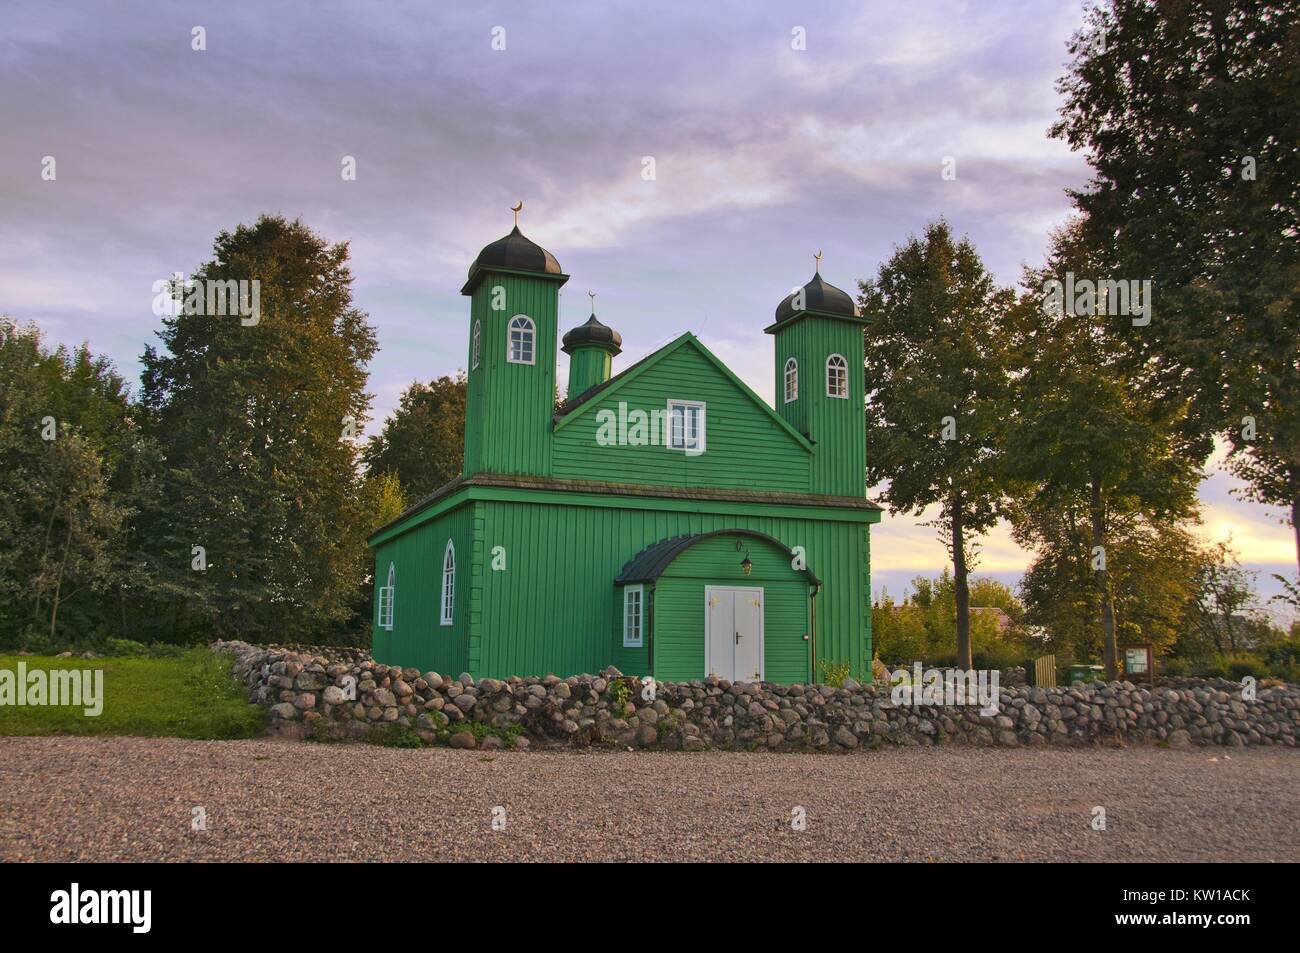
(311, 694)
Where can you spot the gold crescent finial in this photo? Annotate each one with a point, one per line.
(517, 208)
(817, 261)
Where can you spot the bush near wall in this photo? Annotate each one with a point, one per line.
(308, 694)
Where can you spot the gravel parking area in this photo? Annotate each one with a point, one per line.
(68, 799)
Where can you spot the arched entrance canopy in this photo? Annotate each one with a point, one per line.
(649, 564)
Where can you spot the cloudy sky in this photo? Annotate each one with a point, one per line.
(763, 154)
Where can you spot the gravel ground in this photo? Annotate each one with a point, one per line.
(67, 799)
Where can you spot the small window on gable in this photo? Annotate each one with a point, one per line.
(448, 583)
(633, 614)
(386, 599)
(837, 377)
(791, 380)
(522, 338)
(478, 331)
(686, 426)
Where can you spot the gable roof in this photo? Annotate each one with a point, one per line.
(570, 410)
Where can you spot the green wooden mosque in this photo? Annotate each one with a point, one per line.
(663, 519)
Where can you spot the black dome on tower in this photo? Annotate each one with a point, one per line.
(593, 332)
(516, 253)
(820, 296)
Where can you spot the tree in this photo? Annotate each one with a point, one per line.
(1151, 573)
(1190, 113)
(254, 414)
(1095, 434)
(66, 439)
(1223, 597)
(423, 442)
(936, 356)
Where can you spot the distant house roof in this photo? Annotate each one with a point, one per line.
(1000, 617)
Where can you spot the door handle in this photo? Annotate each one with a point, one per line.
(738, 637)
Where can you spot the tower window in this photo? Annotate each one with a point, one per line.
(386, 600)
(448, 583)
(522, 336)
(837, 377)
(478, 332)
(791, 380)
(686, 426)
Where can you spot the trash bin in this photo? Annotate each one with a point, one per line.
(1085, 673)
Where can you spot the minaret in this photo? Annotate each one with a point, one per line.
(820, 390)
(592, 348)
(513, 287)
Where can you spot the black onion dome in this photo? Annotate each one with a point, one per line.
(593, 332)
(516, 253)
(819, 296)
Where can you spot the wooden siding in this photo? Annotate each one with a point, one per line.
(744, 446)
(555, 609)
(679, 608)
(837, 426)
(508, 406)
(418, 638)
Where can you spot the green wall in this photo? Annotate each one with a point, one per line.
(418, 638)
(836, 425)
(679, 608)
(745, 446)
(555, 608)
(508, 407)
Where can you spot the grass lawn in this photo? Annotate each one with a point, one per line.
(188, 696)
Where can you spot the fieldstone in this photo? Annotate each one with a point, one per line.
(462, 739)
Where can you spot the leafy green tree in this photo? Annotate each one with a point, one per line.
(1095, 433)
(254, 414)
(66, 439)
(1151, 573)
(1190, 113)
(937, 362)
(423, 442)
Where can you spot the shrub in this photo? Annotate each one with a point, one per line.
(834, 673)
(1244, 665)
(1174, 667)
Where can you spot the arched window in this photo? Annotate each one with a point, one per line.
(837, 377)
(519, 347)
(386, 599)
(791, 380)
(448, 583)
(478, 330)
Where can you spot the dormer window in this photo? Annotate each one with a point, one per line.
(475, 342)
(686, 426)
(791, 380)
(520, 341)
(837, 377)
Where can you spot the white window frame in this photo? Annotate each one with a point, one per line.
(386, 600)
(530, 330)
(630, 641)
(447, 602)
(791, 377)
(843, 366)
(474, 350)
(702, 428)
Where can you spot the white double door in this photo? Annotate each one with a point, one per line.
(733, 633)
